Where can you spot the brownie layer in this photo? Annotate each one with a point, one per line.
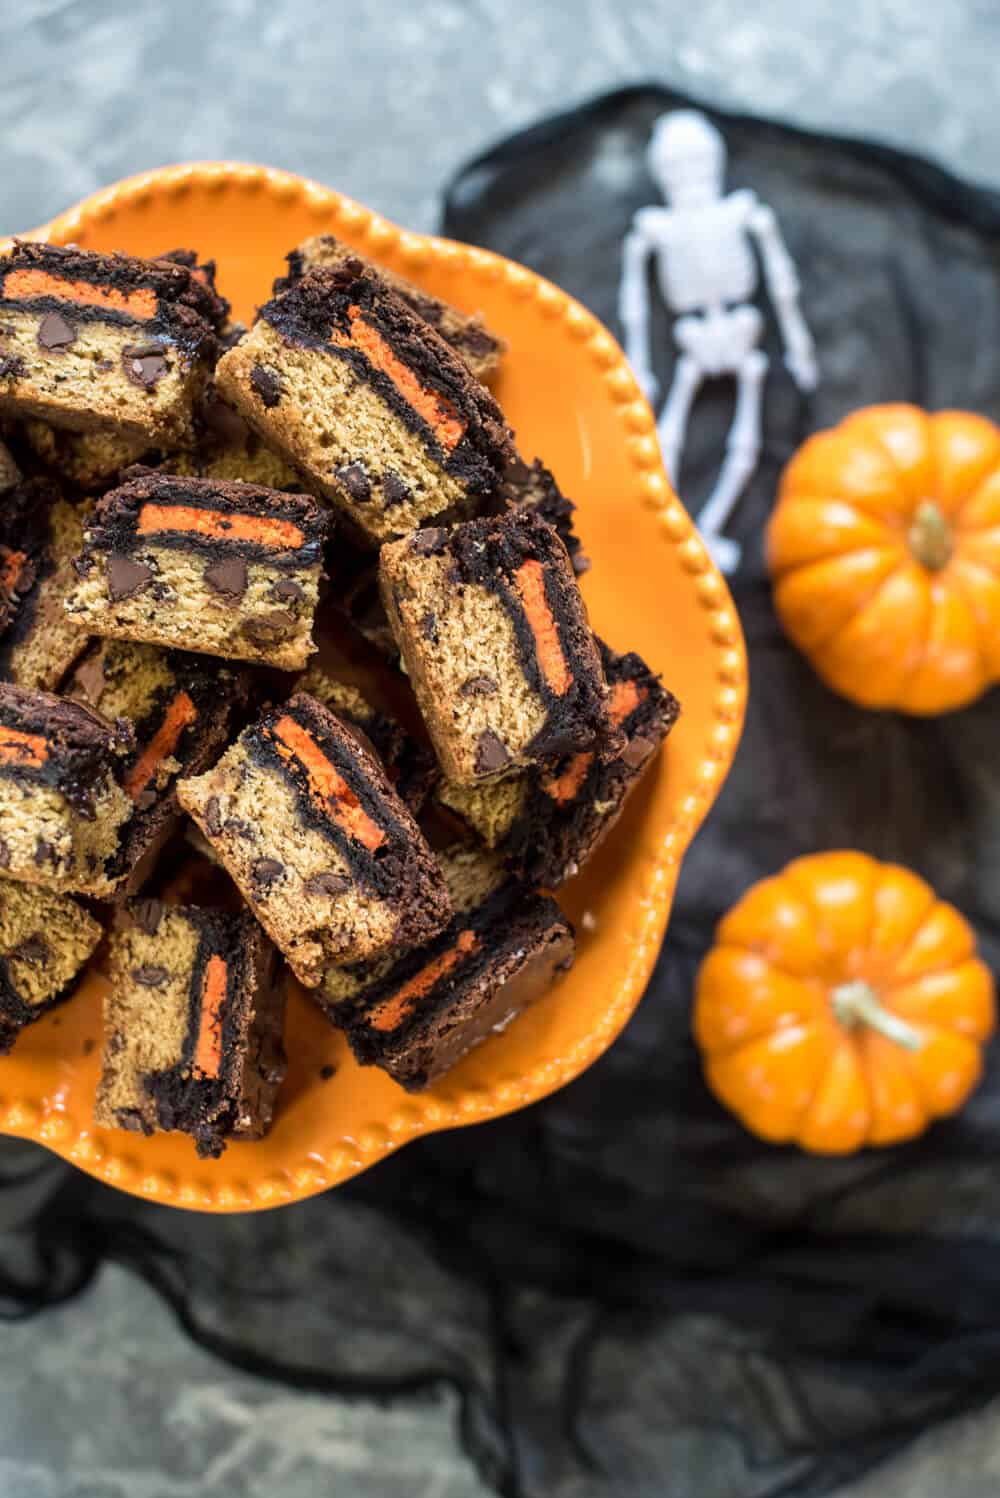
(180, 707)
(227, 569)
(92, 341)
(61, 806)
(478, 348)
(46, 941)
(494, 635)
(416, 1017)
(10, 474)
(324, 851)
(192, 1026)
(549, 822)
(368, 402)
(533, 487)
(39, 535)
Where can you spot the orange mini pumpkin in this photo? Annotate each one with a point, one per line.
(884, 550)
(842, 1005)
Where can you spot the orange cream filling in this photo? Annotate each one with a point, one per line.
(529, 580)
(179, 714)
(387, 1015)
(265, 530)
(625, 698)
(327, 784)
(438, 413)
(208, 1046)
(18, 748)
(28, 285)
(11, 563)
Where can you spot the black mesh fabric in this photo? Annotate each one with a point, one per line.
(629, 1293)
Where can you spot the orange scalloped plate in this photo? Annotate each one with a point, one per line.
(568, 393)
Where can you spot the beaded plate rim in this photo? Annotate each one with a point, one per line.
(116, 1164)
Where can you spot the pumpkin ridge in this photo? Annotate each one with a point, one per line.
(958, 583)
(826, 640)
(897, 468)
(904, 562)
(919, 656)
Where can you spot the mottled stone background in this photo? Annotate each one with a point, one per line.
(104, 1396)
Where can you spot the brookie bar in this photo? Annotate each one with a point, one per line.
(311, 830)
(92, 341)
(474, 343)
(371, 406)
(192, 1026)
(39, 536)
(415, 1014)
(227, 569)
(494, 634)
(46, 941)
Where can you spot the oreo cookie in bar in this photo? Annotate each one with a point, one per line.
(494, 635)
(416, 1013)
(62, 806)
(227, 569)
(40, 534)
(181, 708)
(104, 342)
(549, 821)
(310, 828)
(479, 348)
(46, 942)
(378, 414)
(410, 766)
(192, 1026)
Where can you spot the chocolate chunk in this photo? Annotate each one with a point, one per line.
(150, 975)
(147, 914)
(44, 852)
(55, 333)
(213, 817)
(32, 950)
(4, 855)
(394, 490)
(355, 480)
(637, 751)
(225, 424)
(581, 562)
(491, 753)
(326, 1072)
(428, 625)
(90, 678)
(265, 871)
(478, 686)
(12, 367)
(228, 577)
(287, 590)
(269, 629)
(145, 366)
(425, 543)
(267, 384)
(127, 578)
(146, 798)
(326, 884)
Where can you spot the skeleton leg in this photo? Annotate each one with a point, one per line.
(672, 425)
(742, 450)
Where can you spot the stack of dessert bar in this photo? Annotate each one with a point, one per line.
(185, 506)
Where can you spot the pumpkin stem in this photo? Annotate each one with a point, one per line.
(857, 1004)
(929, 536)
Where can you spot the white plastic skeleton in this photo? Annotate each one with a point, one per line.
(707, 273)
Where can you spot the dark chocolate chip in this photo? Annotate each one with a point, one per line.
(55, 333)
(4, 855)
(478, 686)
(267, 384)
(326, 1072)
(287, 590)
(269, 629)
(127, 578)
(225, 424)
(394, 490)
(265, 871)
(491, 753)
(147, 914)
(44, 852)
(32, 950)
(326, 884)
(105, 365)
(213, 817)
(150, 975)
(428, 625)
(354, 478)
(146, 799)
(144, 366)
(90, 678)
(228, 578)
(425, 543)
(581, 562)
(637, 751)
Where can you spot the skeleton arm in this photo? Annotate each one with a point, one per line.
(783, 287)
(633, 307)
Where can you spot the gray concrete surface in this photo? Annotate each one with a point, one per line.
(383, 100)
